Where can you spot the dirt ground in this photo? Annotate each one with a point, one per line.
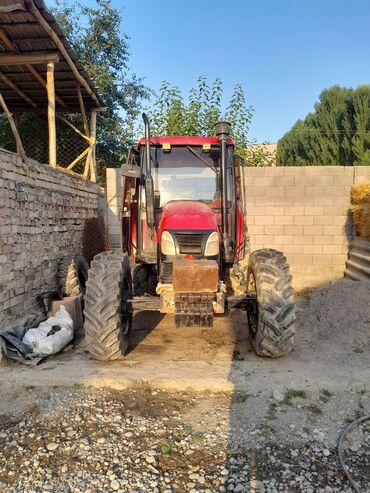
(212, 415)
(332, 349)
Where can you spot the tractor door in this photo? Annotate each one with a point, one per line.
(146, 240)
(131, 173)
(242, 243)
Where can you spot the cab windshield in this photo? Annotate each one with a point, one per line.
(186, 173)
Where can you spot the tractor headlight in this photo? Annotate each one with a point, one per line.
(167, 244)
(212, 245)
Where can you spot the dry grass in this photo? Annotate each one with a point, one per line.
(360, 193)
(360, 208)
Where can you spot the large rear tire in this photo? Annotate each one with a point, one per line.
(108, 319)
(272, 323)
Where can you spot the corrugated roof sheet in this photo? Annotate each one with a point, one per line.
(25, 32)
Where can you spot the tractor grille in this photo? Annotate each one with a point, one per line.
(190, 242)
(166, 272)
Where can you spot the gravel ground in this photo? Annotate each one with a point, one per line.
(276, 433)
(72, 439)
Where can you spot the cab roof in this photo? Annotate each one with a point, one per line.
(184, 140)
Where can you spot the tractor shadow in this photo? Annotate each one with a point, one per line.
(143, 323)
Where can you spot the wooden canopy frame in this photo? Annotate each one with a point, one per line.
(15, 63)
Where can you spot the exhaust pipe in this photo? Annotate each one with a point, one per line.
(223, 131)
(149, 187)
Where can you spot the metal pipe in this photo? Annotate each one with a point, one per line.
(147, 145)
(224, 197)
(223, 132)
(149, 187)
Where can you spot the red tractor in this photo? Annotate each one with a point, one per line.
(185, 249)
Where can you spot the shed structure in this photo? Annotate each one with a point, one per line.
(40, 73)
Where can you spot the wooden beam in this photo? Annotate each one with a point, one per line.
(31, 58)
(41, 109)
(55, 38)
(43, 74)
(6, 9)
(83, 112)
(13, 126)
(90, 161)
(67, 122)
(81, 156)
(30, 40)
(6, 41)
(51, 115)
(16, 89)
(18, 24)
(94, 115)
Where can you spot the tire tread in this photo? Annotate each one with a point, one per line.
(105, 339)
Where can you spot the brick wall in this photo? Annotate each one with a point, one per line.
(303, 211)
(43, 214)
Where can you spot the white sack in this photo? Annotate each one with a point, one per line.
(42, 343)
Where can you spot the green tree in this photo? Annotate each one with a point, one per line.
(258, 155)
(171, 114)
(336, 133)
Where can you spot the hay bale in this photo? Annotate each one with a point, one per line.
(361, 217)
(360, 208)
(360, 193)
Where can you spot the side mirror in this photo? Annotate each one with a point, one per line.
(149, 202)
(130, 170)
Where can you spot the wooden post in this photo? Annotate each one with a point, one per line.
(13, 126)
(93, 138)
(90, 160)
(51, 115)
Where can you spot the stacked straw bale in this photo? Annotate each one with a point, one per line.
(360, 198)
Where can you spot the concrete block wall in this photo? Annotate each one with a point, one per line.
(303, 211)
(114, 205)
(43, 213)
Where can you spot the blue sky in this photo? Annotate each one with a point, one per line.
(283, 52)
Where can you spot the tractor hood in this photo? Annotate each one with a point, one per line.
(187, 214)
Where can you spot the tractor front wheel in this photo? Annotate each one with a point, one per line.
(272, 322)
(108, 318)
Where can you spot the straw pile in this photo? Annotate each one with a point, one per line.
(360, 198)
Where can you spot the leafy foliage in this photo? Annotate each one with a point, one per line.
(336, 133)
(172, 114)
(259, 155)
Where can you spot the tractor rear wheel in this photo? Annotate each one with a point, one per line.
(272, 323)
(108, 318)
(72, 275)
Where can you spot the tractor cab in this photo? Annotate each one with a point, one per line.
(189, 185)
